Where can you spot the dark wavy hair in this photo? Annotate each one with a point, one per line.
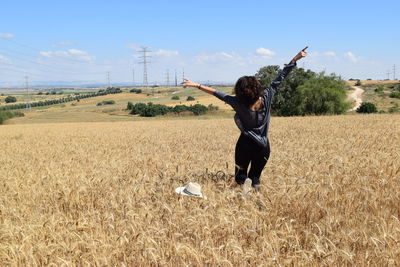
(248, 89)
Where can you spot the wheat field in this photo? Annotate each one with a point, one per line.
(84, 194)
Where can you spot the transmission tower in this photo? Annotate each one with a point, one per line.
(108, 79)
(28, 97)
(394, 72)
(176, 79)
(167, 78)
(183, 74)
(388, 74)
(133, 76)
(145, 62)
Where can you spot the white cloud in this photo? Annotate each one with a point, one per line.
(166, 53)
(7, 35)
(351, 56)
(77, 52)
(330, 54)
(314, 54)
(226, 55)
(64, 43)
(218, 57)
(4, 59)
(264, 52)
(70, 53)
(134, 47)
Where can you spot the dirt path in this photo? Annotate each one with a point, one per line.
(356, 96)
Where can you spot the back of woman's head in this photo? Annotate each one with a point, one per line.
(248, 89)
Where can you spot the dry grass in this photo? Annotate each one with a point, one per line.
(103, 193)
(371, 82)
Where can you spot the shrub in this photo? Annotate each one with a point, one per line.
(180, 108)
(394, 95)
(11, 99)
(394, 109)
(379, 89)
(198, 109)
(175, 97)
(211, 107)
(358, 83)
(367, 107)
(136, 91)
(5, 115)
(113, 90)
(152, 110)
(190, 98)
(138, 108)
(106, 102)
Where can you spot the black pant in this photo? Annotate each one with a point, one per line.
(248, 151)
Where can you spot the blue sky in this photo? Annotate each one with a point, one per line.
(211, 40)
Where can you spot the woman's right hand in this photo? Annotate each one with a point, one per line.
(187, 82)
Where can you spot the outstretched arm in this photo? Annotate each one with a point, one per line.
(286, 70)
(203, 88)
(231, 100)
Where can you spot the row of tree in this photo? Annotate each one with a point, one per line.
(306, 92)
(152, 110)
(110, 90)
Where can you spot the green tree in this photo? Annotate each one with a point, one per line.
(321, 95)
(282, 103)
(11, 99)
(129, 106)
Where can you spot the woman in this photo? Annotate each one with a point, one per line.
(252, 104)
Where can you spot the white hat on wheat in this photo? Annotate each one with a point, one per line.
(191, 189)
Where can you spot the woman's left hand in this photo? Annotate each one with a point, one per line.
(300, 55)
(187, 82)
